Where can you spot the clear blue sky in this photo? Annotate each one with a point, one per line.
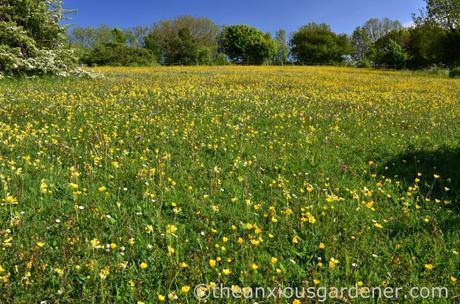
(268, 15)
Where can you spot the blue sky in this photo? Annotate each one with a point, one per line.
(268, 15)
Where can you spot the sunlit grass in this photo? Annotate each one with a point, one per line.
(142, 184)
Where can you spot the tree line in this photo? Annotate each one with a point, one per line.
(34, 42)
(433, 40)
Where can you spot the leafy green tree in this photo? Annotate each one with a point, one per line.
(377, 28)
(391, 49)
(401, 37)
(364, 38)
(165, 42)
(444, 13)
(427, 45)
(452, 48)
(89, 37)
(187, 51)
(32, 41)
(317, 44)
(246, 45)
(393, 55)
(281, 56)
(118, 36)
(363, 47)
(436, 38)
(136, 36)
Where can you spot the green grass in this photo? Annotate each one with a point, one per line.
(93, 172)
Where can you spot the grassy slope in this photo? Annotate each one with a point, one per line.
(247, 163)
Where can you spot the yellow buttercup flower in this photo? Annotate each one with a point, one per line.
(226, 271)
(185, 289)
(161, 298)
(171, 229)
(143, 265)
(212, 263)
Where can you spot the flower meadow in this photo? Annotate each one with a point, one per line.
(137, 186)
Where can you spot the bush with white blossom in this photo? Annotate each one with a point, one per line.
(32, 42)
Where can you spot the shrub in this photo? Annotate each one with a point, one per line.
(437, 70)
(455, 72)
(117, 54)
(393, 55)
(29, 47)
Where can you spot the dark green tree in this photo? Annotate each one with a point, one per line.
(187, 50)
(246, 45)
(165, 42)
(317, 44)
(393, 55)
(444, 13)
(436, 38)
(427, 45)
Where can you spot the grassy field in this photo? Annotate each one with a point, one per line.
(138, 186)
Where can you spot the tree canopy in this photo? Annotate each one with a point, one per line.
(33, 42)
(444, 13)
(317, 44)
(170, 38)
(246, 45)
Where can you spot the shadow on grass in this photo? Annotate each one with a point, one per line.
(443, 162)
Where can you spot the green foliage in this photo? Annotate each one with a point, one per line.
(436, 37)
(401, 37)
(221, 59)
(118, 36)
(364, 38)
(426, 45)
(431, 42)
(187, 50)
(32, 40)
(443, 13)
(317, 44)
(392, 55)
(183, 40)
(39, 20)
(89, 37)
(455, 72)
(118, 54)
(452, 47)
(362, 46)
(282, 52)
(246, 45)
